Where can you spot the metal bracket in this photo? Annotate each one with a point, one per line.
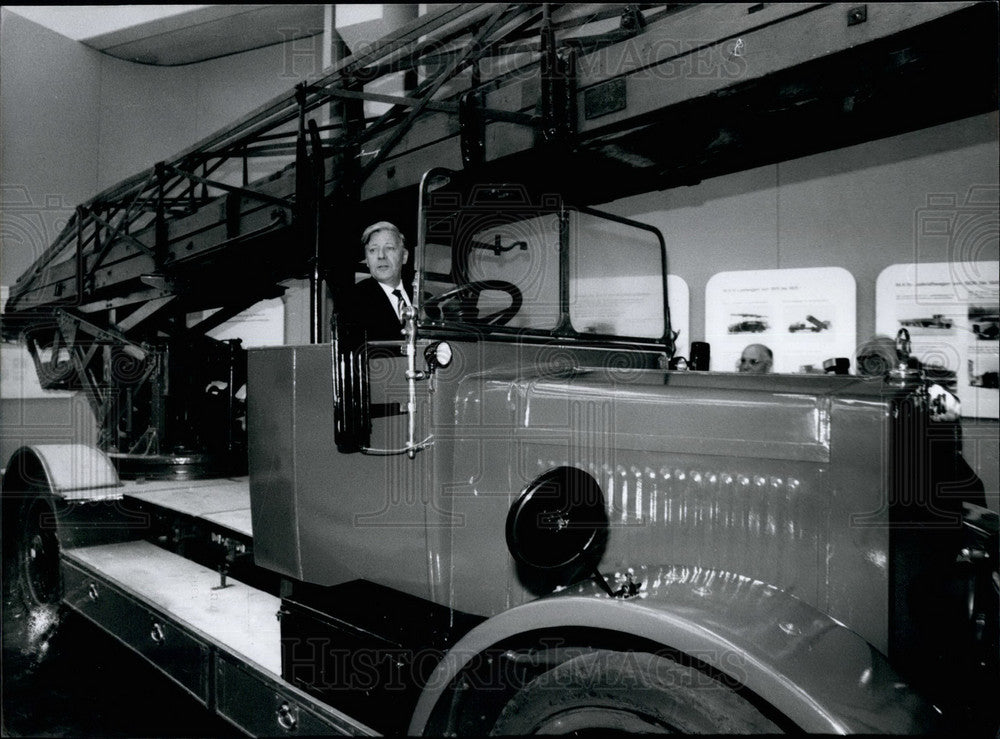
(472, 130)
(228, 550)
(558, 99)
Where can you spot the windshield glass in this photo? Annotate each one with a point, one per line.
(502, 263)
(615, 278)
(495, 271)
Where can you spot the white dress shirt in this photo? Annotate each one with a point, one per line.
(392, 298)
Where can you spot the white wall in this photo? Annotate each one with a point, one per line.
(49, 136)
(150, 113)
(74, 121)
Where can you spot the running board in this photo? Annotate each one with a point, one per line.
(222, 645)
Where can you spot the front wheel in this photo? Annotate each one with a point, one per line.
(629, 692)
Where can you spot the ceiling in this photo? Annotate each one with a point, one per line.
(171, 35)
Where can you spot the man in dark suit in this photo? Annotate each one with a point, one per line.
(377, 302)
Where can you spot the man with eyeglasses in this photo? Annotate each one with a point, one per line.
(756, 360)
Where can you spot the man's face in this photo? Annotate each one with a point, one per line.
(755, 360)
(385, 257)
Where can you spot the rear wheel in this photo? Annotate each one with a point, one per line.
(38, 556)
(32, 585)
(629, 692)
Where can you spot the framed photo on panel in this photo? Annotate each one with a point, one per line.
(952, 313)
(805, 316)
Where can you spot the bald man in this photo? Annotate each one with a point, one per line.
(756, 360)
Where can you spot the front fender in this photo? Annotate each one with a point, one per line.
(820, 675)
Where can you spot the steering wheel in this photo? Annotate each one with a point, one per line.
(461, 302)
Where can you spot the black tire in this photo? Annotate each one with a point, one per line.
(32, 584)
(38, 556)
(629, 692)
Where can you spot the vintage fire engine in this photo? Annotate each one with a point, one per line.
(514, 518)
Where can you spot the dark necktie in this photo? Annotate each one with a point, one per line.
(399, 304)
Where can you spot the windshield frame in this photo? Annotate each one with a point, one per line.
(563, 329)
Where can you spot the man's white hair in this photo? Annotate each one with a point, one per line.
(382, 226)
